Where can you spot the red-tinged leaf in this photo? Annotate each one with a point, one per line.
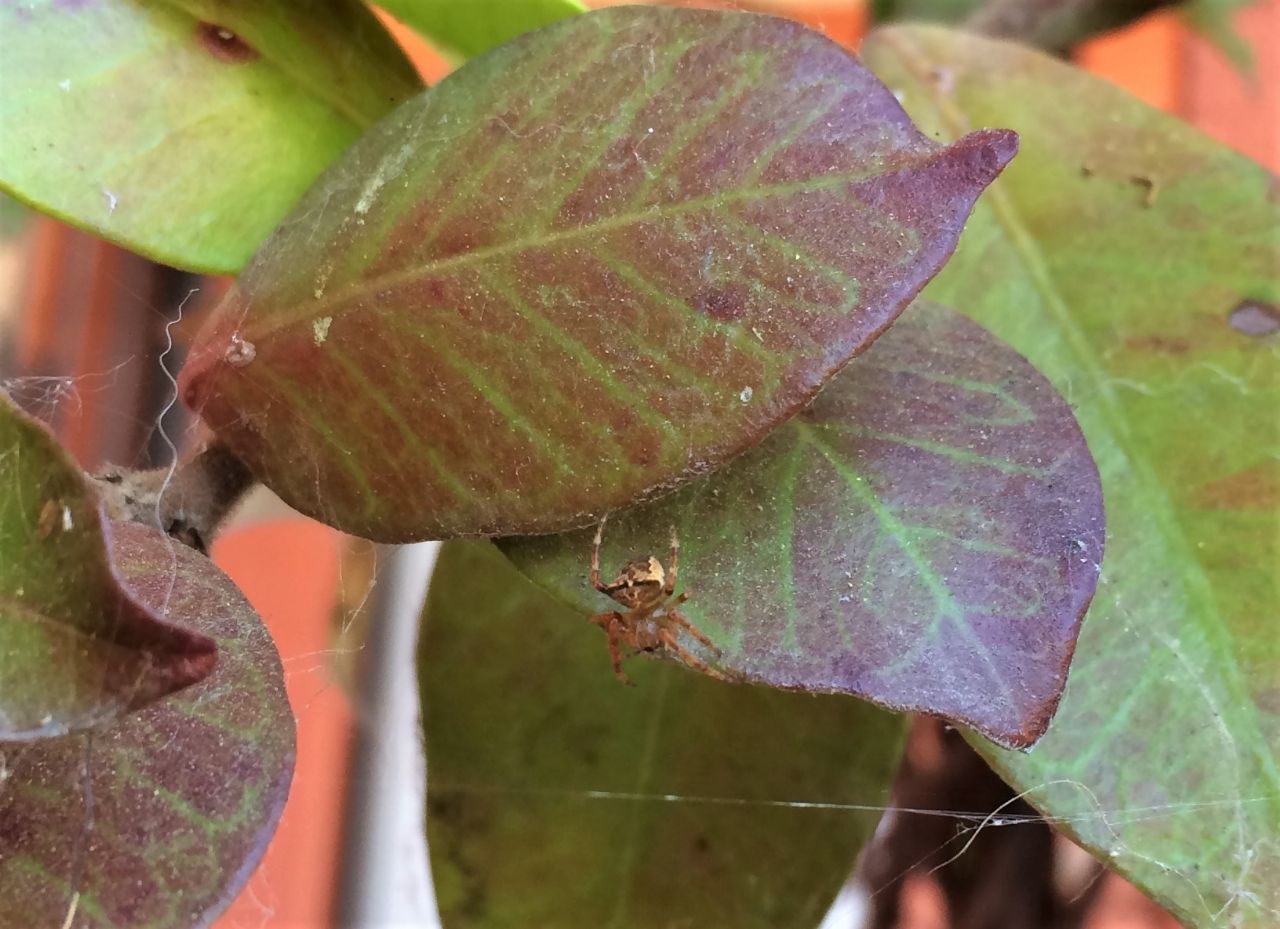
(158, 820)
(557, 799)
(1133, 260)
(540, 290)
(76, 648)
(926, 535)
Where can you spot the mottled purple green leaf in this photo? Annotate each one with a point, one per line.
(558, 798)
(1133, 260)
(186, 129)
(157, 821)
(926, 535)
(76, 648)
(539, 290)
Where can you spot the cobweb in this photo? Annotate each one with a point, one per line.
(392, 856)
(313, 674)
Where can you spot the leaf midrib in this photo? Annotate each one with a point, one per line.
(347, 298)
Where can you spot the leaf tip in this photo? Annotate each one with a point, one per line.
(986, 152)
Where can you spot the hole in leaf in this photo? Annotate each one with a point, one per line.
(1255, 318)
(224, 44)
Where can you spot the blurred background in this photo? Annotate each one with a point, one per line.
(81, 326)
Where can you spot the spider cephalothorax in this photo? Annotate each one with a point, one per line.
(650, 623)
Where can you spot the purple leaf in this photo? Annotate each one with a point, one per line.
(76, 648)
(539, 290)
(926, 535)
(160, 819)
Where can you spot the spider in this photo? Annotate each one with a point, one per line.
(650, 621)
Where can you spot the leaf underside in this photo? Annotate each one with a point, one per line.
(540, 290)
(159, 820)
(1133, 260)
(185, 130)
(77, 649)
(558, 797)
(926, 534)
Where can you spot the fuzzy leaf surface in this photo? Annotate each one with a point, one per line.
(77, 649)
(470, 27)
(186, 129)
(926, 535)
(1133, 260)
(159, 820)
(538, 291)
(667, 804)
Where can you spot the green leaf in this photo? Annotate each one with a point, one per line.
(539, 291)
(926, 535)
(470, 27)
(186, 129)
(159, 820)
(937, 11)
(1063, 25)
(1214, 20)
(558, 797)
(1133, 261)
(76, 648)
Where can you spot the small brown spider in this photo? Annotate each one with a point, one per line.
(650, 623)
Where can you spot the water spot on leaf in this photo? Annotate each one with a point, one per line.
(224, 44)
(1255, 318)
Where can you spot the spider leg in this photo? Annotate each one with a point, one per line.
(692, 630)
(688, 657)
(612, 624)
(670, 585)
(614, 655)
(595, 556)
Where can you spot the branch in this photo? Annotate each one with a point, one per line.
(188, 503)
(1057, 25)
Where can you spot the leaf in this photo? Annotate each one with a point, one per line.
(159, 820)
(558, 797)
(1133, 261)
(1214, 20)
(1062, 25)
(76, 648)
(941, 11)
(537, 292)
(926, 535)
(470, 27)
(186, 129)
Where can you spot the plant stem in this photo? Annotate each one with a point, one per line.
(188, 502)
(1057, 25)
